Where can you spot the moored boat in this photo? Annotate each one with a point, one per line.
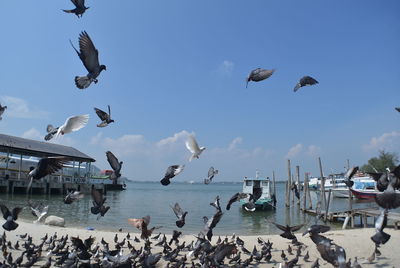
(258, 187)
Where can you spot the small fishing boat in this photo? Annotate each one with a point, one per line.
(258, 187)
(364, 188)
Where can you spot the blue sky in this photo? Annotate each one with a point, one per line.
(179, 67)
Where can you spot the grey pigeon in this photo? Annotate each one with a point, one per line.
(115, 165)
(305, 81)
(46, 166)
(2, 109)
(236, 197)
(211, 173)
(79, 8)
(171, 172)
(258, 75)
(51, 131)
(104, 117)
(98, 203)
(180, 215)
(10, 217)
(380, 237)
(90, 59)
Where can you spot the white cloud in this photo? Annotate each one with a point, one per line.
(313, 150)
(19, 108)
(226, 67)
(177, 137)
(126, 144)
(387, 141)
(294, 151)
(96, 139)
(234, 143)
(33, 134)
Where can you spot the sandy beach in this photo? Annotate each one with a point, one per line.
(356, 242)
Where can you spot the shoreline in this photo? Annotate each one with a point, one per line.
(356, 242)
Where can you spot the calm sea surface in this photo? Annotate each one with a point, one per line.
(151, 198)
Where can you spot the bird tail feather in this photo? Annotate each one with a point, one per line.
(165, 181)
(67, 10)
(82, 82)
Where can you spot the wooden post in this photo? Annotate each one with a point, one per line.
(298, 184)
(327, 205)
(305, 192)
(287, 194)
(289, 184)
(292, 191)
(308, 193)
(322, 184)
(273, 183)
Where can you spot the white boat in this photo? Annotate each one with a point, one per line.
(360, 183)
(258, 187)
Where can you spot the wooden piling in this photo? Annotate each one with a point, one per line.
(298, 184)
(291, 189)
(289, 184)
(328, 203)
(322, 184)
(305, 192)
(273, 183)
(308, 193)
(287, 202)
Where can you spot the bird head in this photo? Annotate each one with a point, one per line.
(111, 121)
(103, 67)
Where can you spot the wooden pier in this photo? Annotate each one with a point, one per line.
(363, 214)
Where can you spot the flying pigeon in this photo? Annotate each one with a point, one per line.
(193, 147)
(104, 117)
(79, 8)
(51, 131)
(349, 174)
(305, 81)
(380, 237)
(2, 109)
(171, 172)
(234, 198)
(98, 204)
(72, 196)
(10, 217)
(211, 223)
(259, 75)
(288, 230)
(46, 166)
(142, 225)
(38, 210)
(73, 123)
(180, 215)
(115, 165)
(211, 173)
(90, 59)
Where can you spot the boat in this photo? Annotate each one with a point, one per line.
(364, 188)
(258, 186)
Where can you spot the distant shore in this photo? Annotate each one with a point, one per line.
(356, 242)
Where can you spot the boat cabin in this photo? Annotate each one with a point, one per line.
(257, 187)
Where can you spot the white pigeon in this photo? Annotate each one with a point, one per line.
(193, 147)
(73, 123)
(39, 211)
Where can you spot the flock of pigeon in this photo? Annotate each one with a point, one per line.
(83, 253)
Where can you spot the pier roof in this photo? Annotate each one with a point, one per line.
(29, 147)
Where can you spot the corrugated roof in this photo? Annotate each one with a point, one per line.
(40, 148)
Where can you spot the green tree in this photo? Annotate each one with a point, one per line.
(380, 163)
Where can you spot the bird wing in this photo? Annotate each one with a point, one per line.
(109, 111)
(396, 171)
(97, 197)
(191, 145)
(211, 172)
(78, 243)
(5, 211)
(113, 161)
(136, 222)
(177, 210)
(308, 80)
(101, 114)
(281, 227)
(74, 123)
(79, 3)
(49, 165)
(296, 227)
(88, 53)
